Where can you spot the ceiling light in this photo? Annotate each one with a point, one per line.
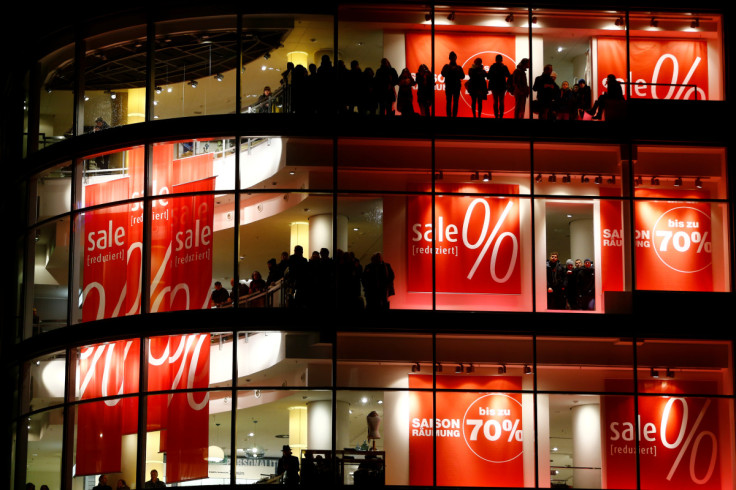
(566, 179)
(510, 18)
(552, 179)
(669, 373)
(538, 178)
(678, 181)
(527, 369)
(86, 98)
(534, 20)
(219, 77)
(451, 17)
(598, 180)
(415, 368)
(638, 180)
(653, 23)
(380, 402)
(619, 22)
(159, 90)
(459, 368)
(654, 373)
(169, 89)
(611, 180)
(439, 175)
(487, 176)
(470, 368)
(267, 56)
(194, 83)
(698, 183)
(427, 17)
(215, 454)
(502, 369)
(584, 179)
(695, 24)
(438, 368)
(559, 49)
(113, 95)
(474, 176)
(654, 181)
(364, 400)
(263, 68)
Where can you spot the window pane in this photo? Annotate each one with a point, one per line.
(49, 281)
(584, 364)
(112, 176)
(196, 62)
(672, 56)
(51, 193)
(45, 436)
(115, 79)
(57, 98)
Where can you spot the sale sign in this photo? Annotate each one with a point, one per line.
(176, 362)
(475, 241)
(480, 433)
(660, 68)
(673, 244)
(468, 47)
(678, 438)
(114, 236)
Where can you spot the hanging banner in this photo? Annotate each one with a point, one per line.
(105, 251)
(191, 271)
(106, 370)
(479, 435)
(612, 243)
(477, 241)
(177, 362)
(468, 47)
(678, 437)
(660, 68)
(673, 243)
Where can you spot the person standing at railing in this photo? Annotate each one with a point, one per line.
(613, 93)
(264, 101)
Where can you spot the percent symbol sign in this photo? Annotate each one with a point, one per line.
(490, 238)
(686, 444)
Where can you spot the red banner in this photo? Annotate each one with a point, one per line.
(191, 273)
(673, 244)
(468, 47)
(106, 370)
(612, 243)
(678, 438)
(105, 250)
(477, 241)
(179, 362)
(480, 433)
(674, 63)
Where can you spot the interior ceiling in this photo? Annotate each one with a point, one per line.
(180, 56)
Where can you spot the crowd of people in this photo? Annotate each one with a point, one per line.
(318, 281)
(365, 92)
(570, 286)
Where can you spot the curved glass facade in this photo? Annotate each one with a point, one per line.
(247, 230)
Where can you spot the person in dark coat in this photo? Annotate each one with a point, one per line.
(498, 77)
(385, 81)
(477, 87)
(288, 467)
(547, 90)
(613, 93)
(555, 277)
(586, 286)
(584, 98)
(425, 90)
(378, 283)
(520, 88)
(405, 100)
(454, 75)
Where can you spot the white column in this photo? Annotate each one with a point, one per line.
(320, 233)
(319, 424)
(586, 445)
(581, 240)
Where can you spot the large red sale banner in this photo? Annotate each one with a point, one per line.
(673, 243)
(468, 47)
(480, 433)
(181, 229)
(660, 68)
(176, 362)
(476, 241)
(678, 438)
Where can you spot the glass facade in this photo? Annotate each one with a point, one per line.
(255, 229)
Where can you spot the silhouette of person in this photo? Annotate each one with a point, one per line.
(521, 88)
(425, 90)
(498, 77)
(378, 283)
(547, 92)
(405, 100)
(613, 92)
(477, 87)
(453, 74)
(385, 81)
